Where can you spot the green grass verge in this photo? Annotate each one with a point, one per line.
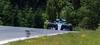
(81, 38)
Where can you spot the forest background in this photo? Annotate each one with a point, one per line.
(33, 13)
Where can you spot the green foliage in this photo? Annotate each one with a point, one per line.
(38, 19)
(77, 28)
(90, 9)
(85, 23)
(65, 12)
(45, 16)
(46, 24)
(29, 13)
(26, 17)
(76, 4)
(6, 13)
(55, 7)
(1, 21)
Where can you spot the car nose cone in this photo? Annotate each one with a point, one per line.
(59, 26)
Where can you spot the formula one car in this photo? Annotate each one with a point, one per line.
(59, 24)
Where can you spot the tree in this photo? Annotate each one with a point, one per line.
(93, 12)
(7, 13)
(26, 17)
(39, 22)
(1, 21)
(76, 4)
(55, 7)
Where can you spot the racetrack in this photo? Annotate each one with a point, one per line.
(9, 32)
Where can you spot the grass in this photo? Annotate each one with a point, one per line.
(81, 38)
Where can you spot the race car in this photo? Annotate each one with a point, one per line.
(59, 24)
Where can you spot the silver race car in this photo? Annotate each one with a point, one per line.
(59, 24)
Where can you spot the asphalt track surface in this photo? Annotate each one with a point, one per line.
(9, 32)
